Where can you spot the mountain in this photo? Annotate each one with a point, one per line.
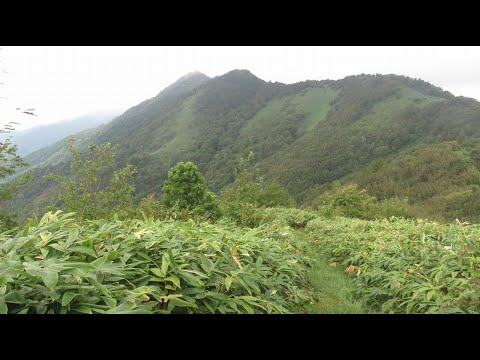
(39, 137)
(394, 135)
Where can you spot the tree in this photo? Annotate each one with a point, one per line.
(89, 192)
(350, 200)
(185, 189)
(347, 200)
(250, 191)
(9, 163)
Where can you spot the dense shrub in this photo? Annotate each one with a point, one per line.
(58, 265)
(405, 266)
(391, 207)
(241, 200)
(185, 189)
(295, 218)
(93, 191)
(350, 201)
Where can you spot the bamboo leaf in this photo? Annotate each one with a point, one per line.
(165, 264)
(67, 298)
(3, 306)
(84, 250)
(174, 280)
(50, 278)
(157, 272)
(228, 282)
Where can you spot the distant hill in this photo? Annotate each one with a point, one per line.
(394, 135)
(39, 137)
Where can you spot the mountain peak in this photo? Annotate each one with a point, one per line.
(184, 84)
(196, 75)
(239, 74)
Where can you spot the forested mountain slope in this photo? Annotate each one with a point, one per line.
(394, 135)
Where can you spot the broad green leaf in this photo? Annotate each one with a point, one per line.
(171, 259)
(71, 238)
(149, 244)
(195, 272)
(209, 307)
(124, 308)
(217, 296)
(99, 262)
(45, 238)
(112, 255)
(54, 295)
(4, 279)
(228, 282)
(57, 247)
(183, 303)
(99, 286)
(67, 298)
(247, 307)
(76, 272)
(191, 279)
(157, 272)
(83, 309)
(111, 302)
(165, 263)
(3, 306)
(50, 278)
(173, 279)
(84, 250)
(15, 297)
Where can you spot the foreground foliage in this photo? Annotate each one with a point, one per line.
(405, 266)
(59, 265)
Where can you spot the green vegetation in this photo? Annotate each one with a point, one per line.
(316, 105)
(439, 180)
(249, 192)
(10, 161)
(57, 265)
(305, 136)
(405, 266)
(325, 221)
(89, 192)
(350, 201)
(185, 189)
(334, 291)
(285, 259)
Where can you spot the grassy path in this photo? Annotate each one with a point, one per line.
(334, 291)
(333, 287)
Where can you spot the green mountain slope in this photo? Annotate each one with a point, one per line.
(362, 128)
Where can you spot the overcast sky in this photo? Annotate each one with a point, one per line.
(65, 82)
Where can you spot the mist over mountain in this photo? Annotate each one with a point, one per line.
(38, 137)
(393, 135)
